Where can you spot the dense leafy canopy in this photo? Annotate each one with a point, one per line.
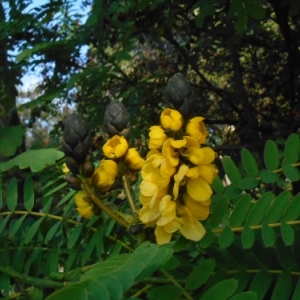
(242, 60)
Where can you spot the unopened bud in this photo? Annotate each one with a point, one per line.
(74, 182)
(88, 169)
(116, 120)
(179, 94)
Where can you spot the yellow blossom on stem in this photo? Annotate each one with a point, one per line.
(133, 159)
(196, 129)
(171, 119)
(115, 147)
(157, 137)
(104, 176)
(84, 204)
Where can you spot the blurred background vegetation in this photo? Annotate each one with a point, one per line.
(241, 57)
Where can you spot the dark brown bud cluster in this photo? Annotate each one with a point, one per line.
(117, 120)
(76, 144)
(179, 95)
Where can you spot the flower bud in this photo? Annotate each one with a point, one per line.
(116, 120)
(135, 229)
(133, 159)
(179, 94)
(72, 165)
(74, 182)
(85, 205)
(88, 169)
(77, 139)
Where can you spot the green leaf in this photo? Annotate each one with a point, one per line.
(278, 206)
(15, 226)
(231, 170)
(260, 208)
(1, 192)
(220, 291)
(292, 212)
(283, 287)
(261, 283)
(268, 235)
(200, 274)
(26, 53)
(241, 22)
(11, 138)
(208, 238)
(271, 155)
(66, 198)
(12, 194)
(291, 172)
(268, 176)
(3, 223)
(51, 232)
(292, 149)
(217, 185)
(232, 191)
(57, 188)
(218, 212)
(5, 286)
(255, 10)
(226, 237)
(245, 296)
(73, 237)
(296, 291)
(248, 237)
(165, 292)
(32, 231)
(249, 163)
(240, 211)
(248, 183)
(287, 233)
(28, 193)
(242, 278)
(46, 203)
(285, 255)
(35, 293)
(36, 160)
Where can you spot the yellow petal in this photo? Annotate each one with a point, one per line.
(86, 212)
(192, 229)
(167, 208)
(162, 237)
(148, 188)
(199, 189)
(177, 143)
(207, 172)
(115, 147)
(171, 119)
(208, 155)
(172, 226)
(178, 178)
(133, 159)
(192, 172)
(196, 129)
(196, 208)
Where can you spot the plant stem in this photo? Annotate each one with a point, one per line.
(102, 206)
(176, 283)
(142, 291)
(128, 195)
(29, 279)
(239, 229)
(38, 214)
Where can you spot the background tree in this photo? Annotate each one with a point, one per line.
(242, 59)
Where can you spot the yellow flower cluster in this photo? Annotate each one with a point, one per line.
(175, 191)
(107, 171)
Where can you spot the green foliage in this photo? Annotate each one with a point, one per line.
(11, 138)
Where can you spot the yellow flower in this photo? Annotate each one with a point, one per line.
(157, 137)
(133, 159)
(198, 155)
(84, 204)
(196, 129)
(150, 210)
(104, 176)
(171, 119)
(190, 228)
(167, 209)
(115, 147)
(65, 169)
(200, 210)
(171, 153)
